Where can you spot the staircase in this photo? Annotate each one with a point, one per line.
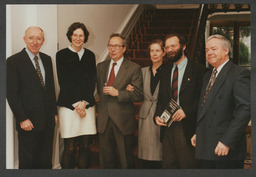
(153, 24)
(156, 24)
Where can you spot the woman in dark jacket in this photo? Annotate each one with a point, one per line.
(76, 69)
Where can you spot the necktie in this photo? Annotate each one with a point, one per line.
(112, 76)
(174, 93)
(212, 79)
(38, 71)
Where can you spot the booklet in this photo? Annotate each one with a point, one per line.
(170, 109)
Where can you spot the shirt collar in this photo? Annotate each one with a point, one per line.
(119, 62)
(221, 66)
(80, 53)
(182, 64)
(158, 69)
(31, 55)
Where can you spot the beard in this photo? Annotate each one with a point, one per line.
(173, 58)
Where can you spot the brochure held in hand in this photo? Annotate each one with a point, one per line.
(170, 109)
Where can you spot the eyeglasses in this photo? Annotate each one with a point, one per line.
(37, 39)
(78, 36)
(116, 46)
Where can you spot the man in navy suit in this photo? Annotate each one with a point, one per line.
(31, 96)
(224, 109)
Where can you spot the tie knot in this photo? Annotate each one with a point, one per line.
(215, 71)
(36, 58)
(114, 64)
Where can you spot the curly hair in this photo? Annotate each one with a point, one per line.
(74, 27)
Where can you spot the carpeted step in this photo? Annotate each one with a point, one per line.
(168, 23)
(167, 30)
(143, 62)
(151, 37)
(176, 11)
(133, 53)
(175, 17)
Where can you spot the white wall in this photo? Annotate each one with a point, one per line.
(100, 21)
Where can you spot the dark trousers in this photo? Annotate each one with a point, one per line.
(177, 153)
(112, 144)
(149, 164)
(35, 149)
(71, 157)
(225, 164)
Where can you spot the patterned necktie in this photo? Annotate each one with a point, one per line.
(112, 76)
(174, 93)
(212, 79)
(38, 71)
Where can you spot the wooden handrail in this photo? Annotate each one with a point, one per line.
(192, 50)
(200, 24)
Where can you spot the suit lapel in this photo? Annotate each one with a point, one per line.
(28, 63)
(165, 80)
(214, 89)
(147, 79)
(188, 74)
(105, 69)
(121, 73)
(47, 72)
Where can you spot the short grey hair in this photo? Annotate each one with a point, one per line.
(124, 42)
(226, 44)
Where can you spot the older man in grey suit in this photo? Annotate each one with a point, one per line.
(116, 119)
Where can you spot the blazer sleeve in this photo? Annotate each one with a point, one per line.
(12, 90)
(164, 89)
(93, 81)
(52, 89)
(241, 110)
(64, 78)
(137, 83)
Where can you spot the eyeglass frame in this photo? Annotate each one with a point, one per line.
(37, 39)
(78, 36)
(116, 46)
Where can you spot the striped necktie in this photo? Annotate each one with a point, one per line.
(174, 93)
(212, 79)
(38, 71)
